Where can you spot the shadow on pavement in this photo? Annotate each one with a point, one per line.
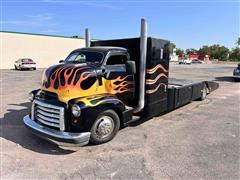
(13, 129)
(225, 78)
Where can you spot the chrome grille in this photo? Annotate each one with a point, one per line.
(48, 114)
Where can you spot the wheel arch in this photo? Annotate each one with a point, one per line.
(120, 115)
(108, 102)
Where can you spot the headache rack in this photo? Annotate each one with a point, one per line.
(48, 114)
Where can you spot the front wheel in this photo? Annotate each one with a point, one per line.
(105, 127)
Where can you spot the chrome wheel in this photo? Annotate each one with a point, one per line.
(104, 127)
(204, 93)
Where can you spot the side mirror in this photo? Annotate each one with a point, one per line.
(61, 61)
(130, 67)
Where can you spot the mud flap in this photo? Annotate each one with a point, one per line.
(212, 86)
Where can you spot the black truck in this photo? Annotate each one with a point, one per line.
(108, 84)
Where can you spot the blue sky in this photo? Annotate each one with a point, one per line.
(188, 23)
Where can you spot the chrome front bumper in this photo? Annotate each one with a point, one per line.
(60, 138)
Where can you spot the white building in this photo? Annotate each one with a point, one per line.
(45, 50)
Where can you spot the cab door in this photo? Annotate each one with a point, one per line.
(122, 82)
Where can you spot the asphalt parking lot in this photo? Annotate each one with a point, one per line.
(197, 141)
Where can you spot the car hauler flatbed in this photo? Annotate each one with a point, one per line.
(100, 88)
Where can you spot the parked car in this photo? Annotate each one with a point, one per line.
(184, 61)
(25, 63)
(236, 73)
(197, 61)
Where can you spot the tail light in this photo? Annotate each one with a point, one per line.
(29, 63)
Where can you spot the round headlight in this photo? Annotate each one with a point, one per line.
(30, 96)
(76, 111)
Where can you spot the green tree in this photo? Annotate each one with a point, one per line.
(204, 50)
(238, 42)
(219, 52)
(172, 46)
(179, 51)
(235, 54)
(191, 51)
(215, 51)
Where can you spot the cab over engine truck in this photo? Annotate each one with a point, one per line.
(105, 86)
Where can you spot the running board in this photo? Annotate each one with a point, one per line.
(134, 118)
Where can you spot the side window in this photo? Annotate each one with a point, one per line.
(117, 60)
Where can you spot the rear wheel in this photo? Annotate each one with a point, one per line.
(105, 127)
(15, 67)
(204, 93)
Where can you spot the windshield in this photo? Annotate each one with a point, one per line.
(84, 57)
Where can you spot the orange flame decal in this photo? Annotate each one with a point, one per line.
(120, 87)
(153, 70)
(150, 82)
(99, 99)
(153, 81)
(67, 82)
(155, 89)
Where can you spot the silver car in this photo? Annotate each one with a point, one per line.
(236, 73)
(25, 63)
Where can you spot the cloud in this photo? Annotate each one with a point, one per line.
(18, 22)
(49, 31)
(41, 17)
(44, 21)
(87, 3)
(33, 20)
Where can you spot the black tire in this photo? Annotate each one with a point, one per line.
(15, 67)
(96, 136)
(237, 79)
(34, 69)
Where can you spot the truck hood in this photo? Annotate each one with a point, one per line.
(70, 81)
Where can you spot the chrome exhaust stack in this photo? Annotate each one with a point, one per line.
(87, 38)
(142, 69)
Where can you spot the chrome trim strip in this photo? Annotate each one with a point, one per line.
(48, 123)
(47, 105)
(32, 110)
(47, 114)
(61, 120)
(48, 119)
(48, 109)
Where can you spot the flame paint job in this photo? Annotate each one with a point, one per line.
(157, 67)
(71, 81)
(96, 100)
